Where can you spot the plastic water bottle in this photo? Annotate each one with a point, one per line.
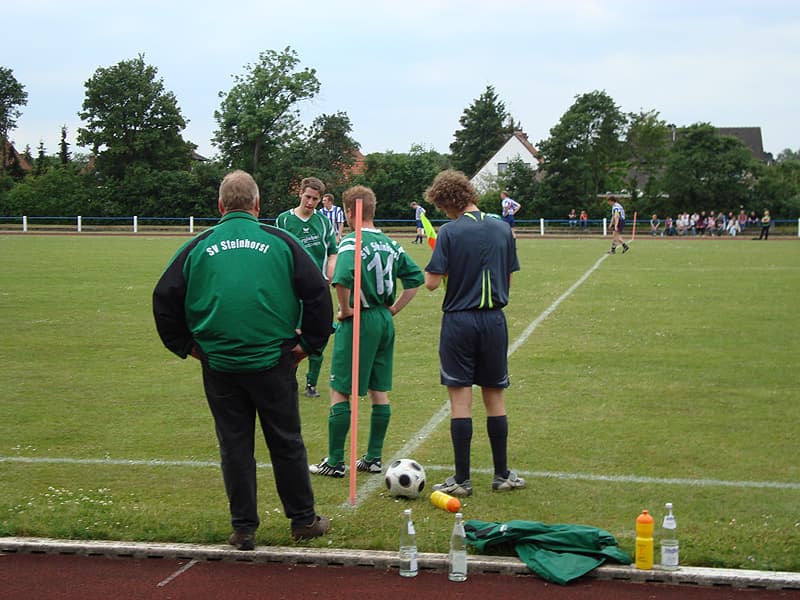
(669, 541)
(408, 546)
(457, 559)
(644, 541)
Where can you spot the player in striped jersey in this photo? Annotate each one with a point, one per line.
(617, 225)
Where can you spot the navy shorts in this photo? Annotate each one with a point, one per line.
(509, 219)
(620, 225)
(473, 349)
(419, 224)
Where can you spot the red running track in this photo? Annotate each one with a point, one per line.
(61, 577)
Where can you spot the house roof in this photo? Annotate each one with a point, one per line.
(14, 157)
(751, 137)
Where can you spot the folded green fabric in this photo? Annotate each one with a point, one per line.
(558, 553)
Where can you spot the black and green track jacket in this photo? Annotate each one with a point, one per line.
(237, 292)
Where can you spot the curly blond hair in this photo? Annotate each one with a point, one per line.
(451, 191)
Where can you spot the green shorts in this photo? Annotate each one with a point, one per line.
(375, 356)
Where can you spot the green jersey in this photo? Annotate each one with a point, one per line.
(383, 262)
(316, 234)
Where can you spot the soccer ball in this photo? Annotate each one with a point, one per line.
(405, 478)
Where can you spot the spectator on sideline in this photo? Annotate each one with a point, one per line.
(683, 223)
(387, 263)
(733, 227)
(584, 219)
(701, 223)
(232, 297)
(318, 237)
(477, 254)
(334, 214)
(655, 225)
(572, 217)
(753, 219)
(418, 212)
(742, 220)
(669, 227)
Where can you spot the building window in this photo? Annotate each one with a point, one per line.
(502, 168)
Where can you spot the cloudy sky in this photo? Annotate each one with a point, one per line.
(405, 70)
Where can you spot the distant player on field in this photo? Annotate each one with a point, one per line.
(418, 212)
(617, 225)
(384, 262)
(477, 254)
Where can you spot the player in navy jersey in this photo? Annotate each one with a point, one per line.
(477, 254)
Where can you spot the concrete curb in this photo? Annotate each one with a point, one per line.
(506, 565)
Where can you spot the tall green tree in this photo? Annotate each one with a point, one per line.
(12, 97)
(63, 147)
(329, 149)
(708, 171)
(132, 120)
(585, 154)
(648, 140)
(485, 127)
(778, 189)
(258, 119)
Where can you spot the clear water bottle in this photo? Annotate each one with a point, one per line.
(669, 541)
(457, 559)
(408, 546)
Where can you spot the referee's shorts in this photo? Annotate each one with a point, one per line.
(472, 349)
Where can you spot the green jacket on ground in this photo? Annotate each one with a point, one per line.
(557, 553)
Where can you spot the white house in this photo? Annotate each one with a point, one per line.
(516, 147)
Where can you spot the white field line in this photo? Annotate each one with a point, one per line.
(194, 464)
(444, 412)
(178, 573)
(373, 483)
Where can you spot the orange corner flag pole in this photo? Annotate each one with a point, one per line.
(633, 233)
(356, 349)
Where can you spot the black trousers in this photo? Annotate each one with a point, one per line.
(235, 399)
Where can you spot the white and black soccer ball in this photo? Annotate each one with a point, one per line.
(405, 478)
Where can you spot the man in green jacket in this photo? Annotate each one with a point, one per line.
(232, 297)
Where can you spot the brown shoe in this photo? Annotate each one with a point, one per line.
(243, 540)
(319, 526)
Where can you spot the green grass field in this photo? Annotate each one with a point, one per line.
(668, 374)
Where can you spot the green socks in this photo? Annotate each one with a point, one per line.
(378, 424)
(338, 427)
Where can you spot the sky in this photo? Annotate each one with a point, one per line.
(405, 71)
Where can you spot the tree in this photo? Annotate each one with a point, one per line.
(788, 154)
(41, 163)
(63, 151)
(258, 118)
(400, 178)
(584, 155)
(12, 96)
(329, 150)
(485, 127)
(132, 120)
(647, 139)
(708, 171)
(778, 189)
